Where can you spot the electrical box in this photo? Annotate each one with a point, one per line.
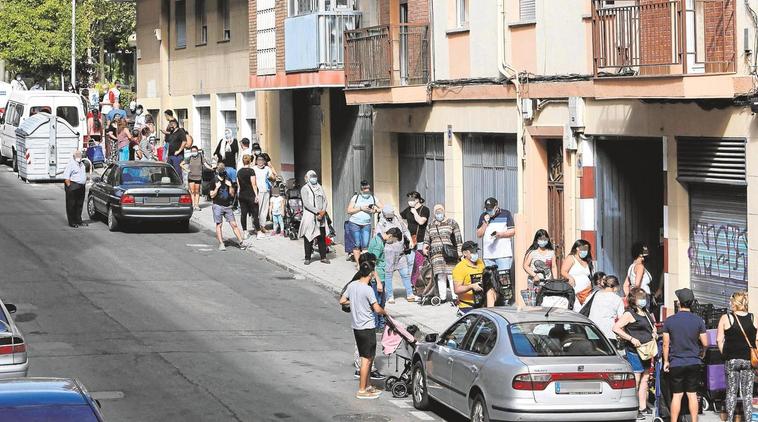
(576, 112)
(569, 140)
(527, 108)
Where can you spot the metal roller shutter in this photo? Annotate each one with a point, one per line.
(718, 242)
(711, 160)
(422, 167)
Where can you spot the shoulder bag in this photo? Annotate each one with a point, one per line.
(449, 252)
(753, 350)
(648, 350)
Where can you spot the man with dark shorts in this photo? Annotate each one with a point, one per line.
(362, 300)
(684, 340)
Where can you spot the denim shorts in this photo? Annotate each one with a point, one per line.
(222, 213)
(638, 365)
(361, 235)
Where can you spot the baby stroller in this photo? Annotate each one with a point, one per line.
(395, 335)
(492, 278)
(426, 285)
(557, 293)
(293, 213)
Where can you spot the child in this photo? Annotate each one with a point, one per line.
(276, 208)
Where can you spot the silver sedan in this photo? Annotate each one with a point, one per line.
(14, 361)
(530, 364)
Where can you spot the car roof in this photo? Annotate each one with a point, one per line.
(514, 314)
(18, 94)
(40, 391)
(142, 164)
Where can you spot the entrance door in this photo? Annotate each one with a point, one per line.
(489, 169)
(629, 209)
(421, 165)
(205, 129)
(555, 224)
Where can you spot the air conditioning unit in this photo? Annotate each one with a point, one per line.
(576, 112)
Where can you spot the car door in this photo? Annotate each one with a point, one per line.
(440, 359)
(97, 190)
(469, 360)
(10, 123)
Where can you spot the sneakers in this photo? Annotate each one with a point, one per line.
(242, 246)
(376, 375)
(221, 247)
(411, 298)
(324, 261)
(245, 235)
(357, 374)
(261, 235)
(368, 395)
(307, 261)
(391, 301)
(641, 416)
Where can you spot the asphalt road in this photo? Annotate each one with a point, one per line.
(166, 328)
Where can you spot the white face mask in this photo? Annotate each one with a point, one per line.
(139, 112)
(542, 243)
(193, 153)
(78, 159)
(412, 204)
(439, 216)
(474, 257)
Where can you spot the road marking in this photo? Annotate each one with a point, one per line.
(205, 250)
(421, 415)
(403, 404)
(107, 395)
(197, 245)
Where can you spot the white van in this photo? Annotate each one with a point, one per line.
(5, 93)
(22, 104)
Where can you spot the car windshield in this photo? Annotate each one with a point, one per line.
(558, 339)
(67, 413)
(149, 175)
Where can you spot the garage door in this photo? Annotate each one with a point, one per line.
(205, 128)
(421, 165)
(489, 169)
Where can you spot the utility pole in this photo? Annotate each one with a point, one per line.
(73, 43)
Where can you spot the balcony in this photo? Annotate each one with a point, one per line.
(663, 37)
(314, 41)
(387, 56)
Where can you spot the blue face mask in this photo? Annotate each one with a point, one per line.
(474, 257)
(641, 303)
(542, 243)
(583, 254)
(491, 212)
(313, 180)
(439, 216)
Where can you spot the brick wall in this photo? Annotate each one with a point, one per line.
(719, 35)
(281, 12)
(656, 35)
(384, 12)
(253, 27)
(418, 11)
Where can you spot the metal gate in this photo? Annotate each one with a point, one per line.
(351, 155)
(629, 204)
(718, 242)
(490, 168)
(421, 167)
(205, 129)
(555, 198)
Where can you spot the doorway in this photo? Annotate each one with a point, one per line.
(555, 201)
(629, 186)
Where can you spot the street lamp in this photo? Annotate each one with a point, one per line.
(73, 42)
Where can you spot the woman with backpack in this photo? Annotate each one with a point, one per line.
(442, 244)
(735, 339)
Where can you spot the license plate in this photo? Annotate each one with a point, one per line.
(578, 387)
(157, 199)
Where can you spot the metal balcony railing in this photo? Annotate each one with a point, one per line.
(387, 55)
(315, 41)
(663, 37)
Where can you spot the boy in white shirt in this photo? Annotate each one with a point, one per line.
(276, 208)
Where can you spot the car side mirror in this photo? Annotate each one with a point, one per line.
(97, 179)
(431, 338)
(99, 405)
(11, 308)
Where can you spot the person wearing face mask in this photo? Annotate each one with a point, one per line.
(606, 306)
(637, 275)
(470, 265)
(139, 117)
(539, 261)
(394, 254)
(416, 217)
(223, 195)
(176, 141)
(256, 150)
(263, 176)
(74, 179)
(227, 150)
(577, 269)
(313, 224)
(244, 150)
(496, 229)
(637, 327)
(443, 233)
(361, 209)
(18, 84)
(193, 165)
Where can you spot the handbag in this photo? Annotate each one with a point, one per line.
(449, 252)
(753, 350)
(648, 350)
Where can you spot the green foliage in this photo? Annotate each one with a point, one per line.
(110, 22)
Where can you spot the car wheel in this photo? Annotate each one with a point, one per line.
(112, 221)
(479, 410)
(15, 162)
(419, 390)
(91, 210)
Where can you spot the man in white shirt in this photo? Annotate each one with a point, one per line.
(139, 117)
(75, 178)
(496, 228)
(18, 83)
(246, 150)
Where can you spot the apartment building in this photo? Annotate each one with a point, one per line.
(613, 121)
(192, 58)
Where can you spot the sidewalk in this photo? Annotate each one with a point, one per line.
(288, 254)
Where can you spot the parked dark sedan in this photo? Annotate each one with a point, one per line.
(139, 191)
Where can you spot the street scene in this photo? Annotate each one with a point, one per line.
(382, 210)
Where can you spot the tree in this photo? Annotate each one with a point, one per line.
(35, 36)
(111, 23)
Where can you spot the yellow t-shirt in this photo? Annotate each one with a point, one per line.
(462, 275)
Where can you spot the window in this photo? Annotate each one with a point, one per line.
(265, 18)
(461, 15)
(558, 339)
(181, 23)
(68, 113)
(14, 114)
(483, 337)
(455, 335)
(181, 116)
(301, 7)
(62, 413)
(201, 22)
(224, 17)
(152, 175)
(108, 175)
(527, 10)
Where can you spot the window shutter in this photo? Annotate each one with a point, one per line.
(711, 160)
(527, 10)
(181, 23)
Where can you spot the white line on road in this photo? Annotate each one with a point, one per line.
(107, 395)
(197, 245)
(403, 404)
(205, 250)
(421, 415)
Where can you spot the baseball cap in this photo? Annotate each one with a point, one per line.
(490, 203)
(388, 211)
(470, 246)
(685, 295)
